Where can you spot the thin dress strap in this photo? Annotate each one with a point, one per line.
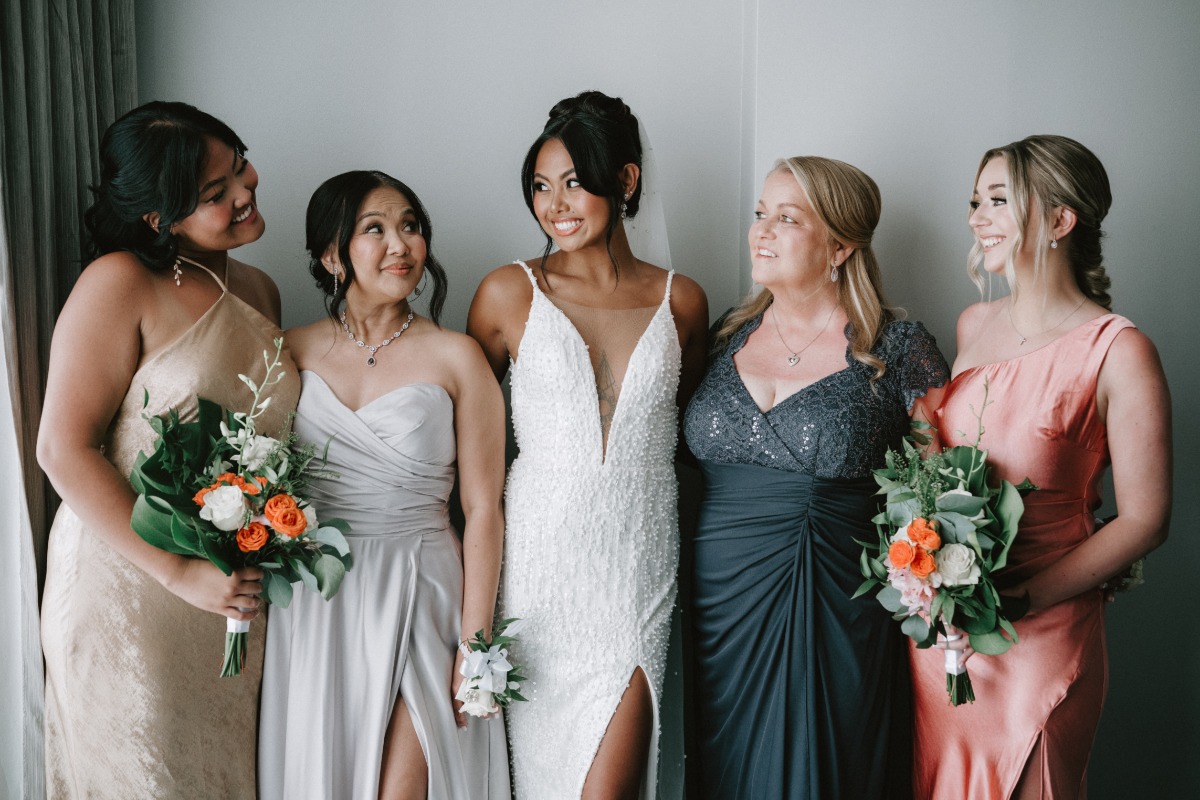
(528, 272)
(220, 282)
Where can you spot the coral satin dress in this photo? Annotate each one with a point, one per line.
(1041, 421)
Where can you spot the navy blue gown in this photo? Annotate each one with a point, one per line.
(800, 691)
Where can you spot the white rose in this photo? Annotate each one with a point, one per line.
(255, 452)
(957, 565)
(310, 514)
(225, 508)
(476, 702)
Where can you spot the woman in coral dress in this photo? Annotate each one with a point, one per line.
(1071, 388)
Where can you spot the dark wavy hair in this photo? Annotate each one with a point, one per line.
(332, 214)
(600, 134)
(151, 160)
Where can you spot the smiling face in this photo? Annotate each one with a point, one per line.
(569, 214)
(226, 215)
(386, 249)
(789, 245)
(992, 219)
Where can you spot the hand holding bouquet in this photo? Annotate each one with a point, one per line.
(215, 489)
(491, 679)
(944, 532)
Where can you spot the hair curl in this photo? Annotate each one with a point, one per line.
(151, 161)
(332, 214)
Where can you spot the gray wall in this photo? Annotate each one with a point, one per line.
(448, 96)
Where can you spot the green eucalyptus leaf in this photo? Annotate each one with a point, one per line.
(992, 643)
(329, 572)
(278, 589)
(306, 577)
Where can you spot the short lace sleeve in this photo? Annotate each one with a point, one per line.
(921, 366)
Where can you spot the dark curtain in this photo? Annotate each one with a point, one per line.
(69, 70)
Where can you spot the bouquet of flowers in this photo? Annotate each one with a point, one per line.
(492, 680)
(215, 489)
(944, 532)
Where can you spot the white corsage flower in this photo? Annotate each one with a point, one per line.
(476, 702)
(225, 508)
(310, 514)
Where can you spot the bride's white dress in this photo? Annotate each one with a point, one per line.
(334, 669)
(591, 543)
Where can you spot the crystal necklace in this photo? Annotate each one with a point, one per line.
(794, 358)
(1043, 330)
(372, 348)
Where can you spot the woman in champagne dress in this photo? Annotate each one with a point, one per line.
(1071, 388)
(801, 690)
(601, 344)
(133, 635)
(358, 694)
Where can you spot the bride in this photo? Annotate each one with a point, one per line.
(602, 344)
(358, 696)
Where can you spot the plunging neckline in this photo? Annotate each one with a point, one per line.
(742, 382)
(634, 361)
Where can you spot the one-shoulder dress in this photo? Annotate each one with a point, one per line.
(591, 541)
(135, 705)
(1041, 422)
(800, 690)
(334, 669)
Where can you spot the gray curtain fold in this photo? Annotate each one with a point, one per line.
(69, 70)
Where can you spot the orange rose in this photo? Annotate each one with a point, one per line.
(252, 537)
(923, 534)
(249, 488)
(922, 564)
(901, 554)
(285, 516)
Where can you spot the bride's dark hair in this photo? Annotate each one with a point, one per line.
(600, 134)
(151, 160)
(332, 215)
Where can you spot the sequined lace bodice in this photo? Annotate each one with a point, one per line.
(837, 427)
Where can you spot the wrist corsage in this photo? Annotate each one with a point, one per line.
(492, 681)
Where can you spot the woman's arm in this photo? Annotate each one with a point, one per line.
(479, 428)
(98, 341)
(1133, 399)
(497, 316)
(689, 307)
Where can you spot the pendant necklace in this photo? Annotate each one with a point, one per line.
(794, 358)
(1024, 338)
(372, 348)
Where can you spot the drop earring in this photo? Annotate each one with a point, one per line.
(178, 269)
(1054, 244)
(833, 272)
(624, 213)
(335, 281)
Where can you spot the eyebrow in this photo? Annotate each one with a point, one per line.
(372, 213)
(565, 174)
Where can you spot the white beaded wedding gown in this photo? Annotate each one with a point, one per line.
(591, 542)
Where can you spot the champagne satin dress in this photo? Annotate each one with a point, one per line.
(135, 705)
(1041, 421)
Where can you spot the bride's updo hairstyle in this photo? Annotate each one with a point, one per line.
(600, 134)
(847, 202)
(332, 215)
(151, 160)
(1047, 172)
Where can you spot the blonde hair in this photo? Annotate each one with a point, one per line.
(848, 204)
(1054, 172)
